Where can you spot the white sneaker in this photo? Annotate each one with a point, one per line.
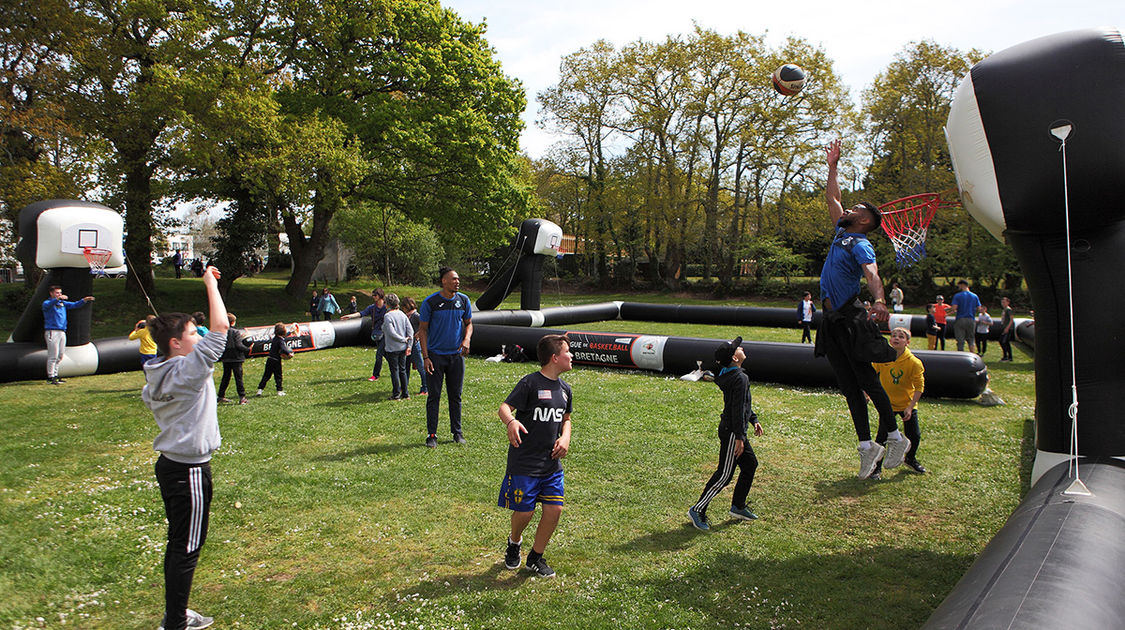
(259, 392)
(868, 457)
(195, 621)
(281, 393)
(896, 451)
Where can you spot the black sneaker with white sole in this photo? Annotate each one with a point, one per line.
(512, 556)
(540, 568)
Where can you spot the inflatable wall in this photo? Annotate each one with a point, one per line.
(1059, 562)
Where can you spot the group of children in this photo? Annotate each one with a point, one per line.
(536, 415)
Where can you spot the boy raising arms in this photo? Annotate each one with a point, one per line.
(537, 417)
(180, 391)
(734, 448)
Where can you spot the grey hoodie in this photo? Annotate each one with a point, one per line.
(180, 391)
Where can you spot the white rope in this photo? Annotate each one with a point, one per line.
(1072, 410)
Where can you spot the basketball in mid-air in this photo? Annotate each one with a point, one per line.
(789, 79)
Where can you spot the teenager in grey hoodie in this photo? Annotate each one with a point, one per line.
(180, 391)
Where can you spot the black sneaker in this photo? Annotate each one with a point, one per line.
(540, 568)
(512, 556)
(460, 439)
(913, 464)
(431, 441)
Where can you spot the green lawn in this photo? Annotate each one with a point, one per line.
(330, 513)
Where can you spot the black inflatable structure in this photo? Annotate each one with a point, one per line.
(1059, 562)
(536, 239)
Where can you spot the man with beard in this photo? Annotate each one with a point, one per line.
(849, 339)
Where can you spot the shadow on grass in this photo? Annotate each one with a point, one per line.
(899, 588)
(364, 398)
(371, 449)
(495, 577)
(673, 539)
(850, 486)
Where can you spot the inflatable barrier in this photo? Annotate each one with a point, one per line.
(948, 374)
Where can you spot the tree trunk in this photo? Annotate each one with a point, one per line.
(138, 224)
(306, 251)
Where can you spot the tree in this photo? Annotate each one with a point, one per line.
(41, 155)
(133, 76)
(421, 100)
(384, 240)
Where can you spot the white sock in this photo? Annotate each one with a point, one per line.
(894, 435)
(512, 542)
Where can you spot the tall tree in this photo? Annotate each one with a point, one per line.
(134, 73)
(427, 107)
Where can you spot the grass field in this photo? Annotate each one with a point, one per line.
(330, 513)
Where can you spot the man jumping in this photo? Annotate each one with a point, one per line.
(846, 336)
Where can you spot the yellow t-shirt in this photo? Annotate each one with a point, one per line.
(148, 346)
(901, 378)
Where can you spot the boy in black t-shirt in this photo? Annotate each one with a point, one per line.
(278, 350)
(537, 417)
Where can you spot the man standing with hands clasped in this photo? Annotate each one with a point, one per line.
(54, 329)
(850, 340)
(444, 334)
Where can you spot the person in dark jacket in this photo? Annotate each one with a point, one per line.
(233, 357)
(734, 448)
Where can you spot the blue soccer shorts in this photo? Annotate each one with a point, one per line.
(520, 492)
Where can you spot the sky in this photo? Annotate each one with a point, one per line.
(531, 37)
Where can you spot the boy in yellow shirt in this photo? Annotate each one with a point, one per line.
(903, 379)
(148, 345)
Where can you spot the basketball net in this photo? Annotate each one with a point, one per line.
(97, 259)
(906, 222)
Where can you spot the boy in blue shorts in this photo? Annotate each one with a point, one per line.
(537, 417)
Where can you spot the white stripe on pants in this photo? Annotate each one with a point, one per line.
(195, 527)
(720, 483)
(56, 345)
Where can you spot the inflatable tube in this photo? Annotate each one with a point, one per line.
(1058, 562)
(26, 361)
(948, 374)
(554, 316)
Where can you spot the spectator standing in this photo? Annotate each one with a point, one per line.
(352, 307)
(984, 325)
(805, 312)
(314, 306)
(896, 298)
(178, 263)
(1006, 329)
(199, 320)
(54, 328)
(932, 330)
(398, 340)
(411, 310)
(445, 333)
(328, 305)
(965, 305)
(941, 311)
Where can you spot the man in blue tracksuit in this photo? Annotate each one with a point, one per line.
(54, 328)
(444, 334)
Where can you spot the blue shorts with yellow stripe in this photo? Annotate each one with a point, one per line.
(519, 492)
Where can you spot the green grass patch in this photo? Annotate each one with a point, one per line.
(347, 521)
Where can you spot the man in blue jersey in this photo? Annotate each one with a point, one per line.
(444, 333)
(54, 329)
(849, 339)
(536, 416)
(965, 306)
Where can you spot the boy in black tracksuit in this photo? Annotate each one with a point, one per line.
(278, 350)
(233, 357)
(734, 448)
